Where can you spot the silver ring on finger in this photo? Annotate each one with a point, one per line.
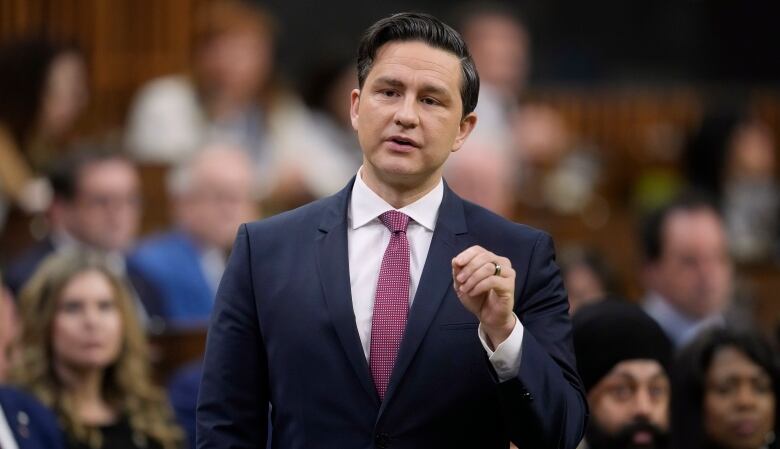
(497, 272)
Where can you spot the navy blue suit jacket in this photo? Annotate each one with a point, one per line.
(33, 426)
(283, 332)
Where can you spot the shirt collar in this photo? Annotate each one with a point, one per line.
(365, 205)
(679, 327)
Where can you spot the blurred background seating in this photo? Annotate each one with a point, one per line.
(598, 115)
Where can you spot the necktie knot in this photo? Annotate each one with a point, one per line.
(395, 221)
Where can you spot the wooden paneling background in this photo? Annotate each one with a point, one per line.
(126, 42)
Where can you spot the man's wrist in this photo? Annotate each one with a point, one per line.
(497, 334)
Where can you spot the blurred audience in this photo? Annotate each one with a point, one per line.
(97, 205)
(732, 157)
(83, 353)
(7, 328)
(233, 95)
(183, 392)
(724, 392)
(623, 358)
(44, 92)
(556, 172)
(483, 169)
(326, 92)
(212, 195)
(25, 423)
(500, 44)
(586, 276)
(687, 273)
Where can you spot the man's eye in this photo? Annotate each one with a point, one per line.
(621, 392)
(429, 101)
(389, 93)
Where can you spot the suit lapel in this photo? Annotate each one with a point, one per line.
(333, 264)
(436, 280)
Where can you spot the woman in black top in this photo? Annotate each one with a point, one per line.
(82, 353)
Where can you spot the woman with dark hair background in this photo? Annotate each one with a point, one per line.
(723, 393)
(731, 157)
(43, 92)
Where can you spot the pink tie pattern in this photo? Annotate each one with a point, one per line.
(391, 304)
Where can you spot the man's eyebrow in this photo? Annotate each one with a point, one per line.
(426, 88)
(392, 82)
(435, 90)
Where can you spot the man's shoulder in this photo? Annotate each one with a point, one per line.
(23, 267)
(22, 410)
(163, 243)
(306, 217)
(13, 400)
(162, 253)
(483, 222)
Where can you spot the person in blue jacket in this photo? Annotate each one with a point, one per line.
(25, 423)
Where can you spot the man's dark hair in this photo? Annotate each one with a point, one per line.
(424, 28)
(64, 175)
(689, 379)
(653, 224)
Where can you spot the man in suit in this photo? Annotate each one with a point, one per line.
(212, 195)
(394, 314)
(25, 423)
(688, 272)
(97, 204)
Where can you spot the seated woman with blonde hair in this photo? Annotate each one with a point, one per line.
(82, 353)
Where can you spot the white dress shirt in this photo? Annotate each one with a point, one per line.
(367, 239)
(7, 440)
(212, 262)
(680, 328)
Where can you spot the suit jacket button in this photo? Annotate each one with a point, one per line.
(382, 440)
(528, 397)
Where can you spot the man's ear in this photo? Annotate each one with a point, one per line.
(467, 125)
(354, 103)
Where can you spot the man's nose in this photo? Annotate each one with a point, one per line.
(407, 115)
(644, 404)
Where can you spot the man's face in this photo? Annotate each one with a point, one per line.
(219, 200)
(630, 407)
(236, 64)
(500, 49)
(694, 271)
(106, 210)
(408, 115)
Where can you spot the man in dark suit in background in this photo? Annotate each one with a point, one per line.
(97, 204)
(394, 314)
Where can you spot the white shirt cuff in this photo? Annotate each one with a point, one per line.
(506, 358)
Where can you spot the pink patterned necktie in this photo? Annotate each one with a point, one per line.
(391, 304)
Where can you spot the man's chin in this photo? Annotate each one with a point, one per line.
(640, 435)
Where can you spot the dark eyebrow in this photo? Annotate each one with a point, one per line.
(435, 90)
(392, 82)
(427, 88)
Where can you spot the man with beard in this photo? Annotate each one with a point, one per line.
(623, 358)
